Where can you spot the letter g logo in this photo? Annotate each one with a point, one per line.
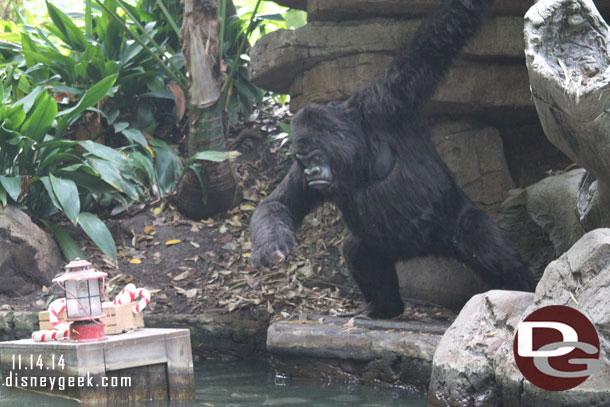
(556, 348)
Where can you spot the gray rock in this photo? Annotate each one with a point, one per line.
(463, 364)
(476, 157)
(541, 220)
(579, 279)
(279, 57)
(29, 257)
(469, 86)
(342, 349)
(474, 364)
(438, 281)
(342, 9)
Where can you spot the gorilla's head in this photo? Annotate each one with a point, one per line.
(328, 148)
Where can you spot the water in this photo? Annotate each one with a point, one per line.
(246, 384)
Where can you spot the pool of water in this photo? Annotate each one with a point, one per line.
(245, 384)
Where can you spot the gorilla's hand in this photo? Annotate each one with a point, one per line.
(272, 253)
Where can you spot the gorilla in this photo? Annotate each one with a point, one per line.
(373, 157)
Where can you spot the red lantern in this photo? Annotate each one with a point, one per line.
(84, 287)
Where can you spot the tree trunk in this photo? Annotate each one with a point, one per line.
(565, 48)
(210, 187)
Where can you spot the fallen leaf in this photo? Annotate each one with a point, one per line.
(191, 293)
(195, 244)
(172, 242)
(157, 210)
(246, 207)
(149, 229)
(246, 255)
(184, 275)
(234, 221)
(135, 261)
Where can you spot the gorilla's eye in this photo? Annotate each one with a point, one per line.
(316, 159)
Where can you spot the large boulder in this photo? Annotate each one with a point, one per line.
(29, 257)
(474, 364)
(463, 364)
(578, 279)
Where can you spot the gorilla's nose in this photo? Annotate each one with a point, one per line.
(312, 172)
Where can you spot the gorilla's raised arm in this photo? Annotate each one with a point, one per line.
(277, 217)
(412, 78)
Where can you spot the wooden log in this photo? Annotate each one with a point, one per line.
(566, 44)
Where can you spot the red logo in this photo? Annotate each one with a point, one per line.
(556, 348)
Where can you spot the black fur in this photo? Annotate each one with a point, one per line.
(417, 209)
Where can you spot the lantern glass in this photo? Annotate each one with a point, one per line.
(88, 300)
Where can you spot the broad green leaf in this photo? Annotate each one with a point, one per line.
(12, 185)
(68, 246)
(66, 192)
(15, 117)
(70, 33)
(10, 37)
(135, 136)
(108, 171)
(210, 155)
(41, 117)
(47, 185)
(167, 166)
(120, 126)
(145, 163)
(28, 101)
(93, 95)
(99, 233)
(102, 151)
(199, 171)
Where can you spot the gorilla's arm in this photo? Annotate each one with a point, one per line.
(412, 77)
(277, 217)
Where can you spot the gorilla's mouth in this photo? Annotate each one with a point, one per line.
(320, 184)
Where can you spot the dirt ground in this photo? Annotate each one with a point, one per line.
(191, 266)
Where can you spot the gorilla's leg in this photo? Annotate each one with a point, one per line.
(376, 278)
(481, 245)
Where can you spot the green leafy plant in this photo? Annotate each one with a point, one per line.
(58, 79)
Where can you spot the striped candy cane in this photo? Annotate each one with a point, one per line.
(144, 295)
(55, 308)
(129, 294)
(47, 335)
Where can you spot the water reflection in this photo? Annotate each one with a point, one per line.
(246, 384)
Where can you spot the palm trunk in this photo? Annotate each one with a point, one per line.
(219, 193)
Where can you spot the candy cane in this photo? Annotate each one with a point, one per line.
(46, 335)
(144, 295)
(55, 308)
(127, 295)
(130, 293)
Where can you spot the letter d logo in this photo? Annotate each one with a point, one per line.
(556, 348)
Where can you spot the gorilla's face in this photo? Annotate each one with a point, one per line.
(316, 167)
